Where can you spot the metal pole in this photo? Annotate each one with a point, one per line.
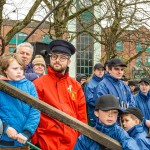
(42, 21)
(17, 32)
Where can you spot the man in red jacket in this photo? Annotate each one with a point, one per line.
(58, 89)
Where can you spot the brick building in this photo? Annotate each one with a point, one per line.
(40, 35)
(130, 44)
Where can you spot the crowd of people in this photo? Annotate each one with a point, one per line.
(106, 101)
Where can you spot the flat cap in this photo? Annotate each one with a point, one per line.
(98, 65)
(62, 46)
(107, 102)
(116, 62)
(145, 80)
(134, 111)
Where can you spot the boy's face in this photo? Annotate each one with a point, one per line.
(144, 87)
(83, 80)
(107, 117)
(14, 71)
(128, 122)
(117, 72)
(99, 72)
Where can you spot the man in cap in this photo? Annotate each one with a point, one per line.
(112, 84)
(61, 91)
(142, 98)
(90, 89)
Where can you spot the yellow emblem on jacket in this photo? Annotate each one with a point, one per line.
(72, 93)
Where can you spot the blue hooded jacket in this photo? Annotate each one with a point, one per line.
(139, 135)
(114, 131)
(30, 74)
(142, 102)
(116, 87)
(17, 114)
(90, 88)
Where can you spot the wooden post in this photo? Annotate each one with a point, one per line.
(61, 116)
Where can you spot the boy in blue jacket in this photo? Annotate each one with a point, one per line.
(132, 122)
(106, 110)
(19, 119)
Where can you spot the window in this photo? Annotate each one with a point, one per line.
(11, 49)
(84, 54)
(147, 43)
(119, 45)
(84, 43)
(139, 61)
(47, 38)
(147, 62)
(138, 46)
(86, 16)
(18, 38)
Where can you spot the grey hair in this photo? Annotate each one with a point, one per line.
(25, 44)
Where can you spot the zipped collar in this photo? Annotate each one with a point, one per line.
(57, 75)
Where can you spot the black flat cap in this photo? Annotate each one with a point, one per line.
(134, 111)
(116, 62)
(132, 83)
(107, 102)
(98, 65)
(145, 80)
(62, 46)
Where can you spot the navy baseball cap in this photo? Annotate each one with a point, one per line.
(62, 46)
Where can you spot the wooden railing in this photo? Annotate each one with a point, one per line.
(61, 116)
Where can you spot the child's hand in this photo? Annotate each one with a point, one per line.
(21, 138)
(11, 133)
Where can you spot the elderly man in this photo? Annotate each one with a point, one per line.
(25, 50)
(59, 90)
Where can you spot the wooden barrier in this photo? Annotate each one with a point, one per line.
(61, 116)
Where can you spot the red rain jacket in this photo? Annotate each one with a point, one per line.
(64, 93)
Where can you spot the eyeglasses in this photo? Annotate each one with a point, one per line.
(118, 69)
(62, 58)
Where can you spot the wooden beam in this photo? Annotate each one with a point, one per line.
(61, 116)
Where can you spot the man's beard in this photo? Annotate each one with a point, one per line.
(59, 70)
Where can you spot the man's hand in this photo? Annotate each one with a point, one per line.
(11, 133)
(21, 138)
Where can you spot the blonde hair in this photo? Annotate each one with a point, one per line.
(6, 59)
